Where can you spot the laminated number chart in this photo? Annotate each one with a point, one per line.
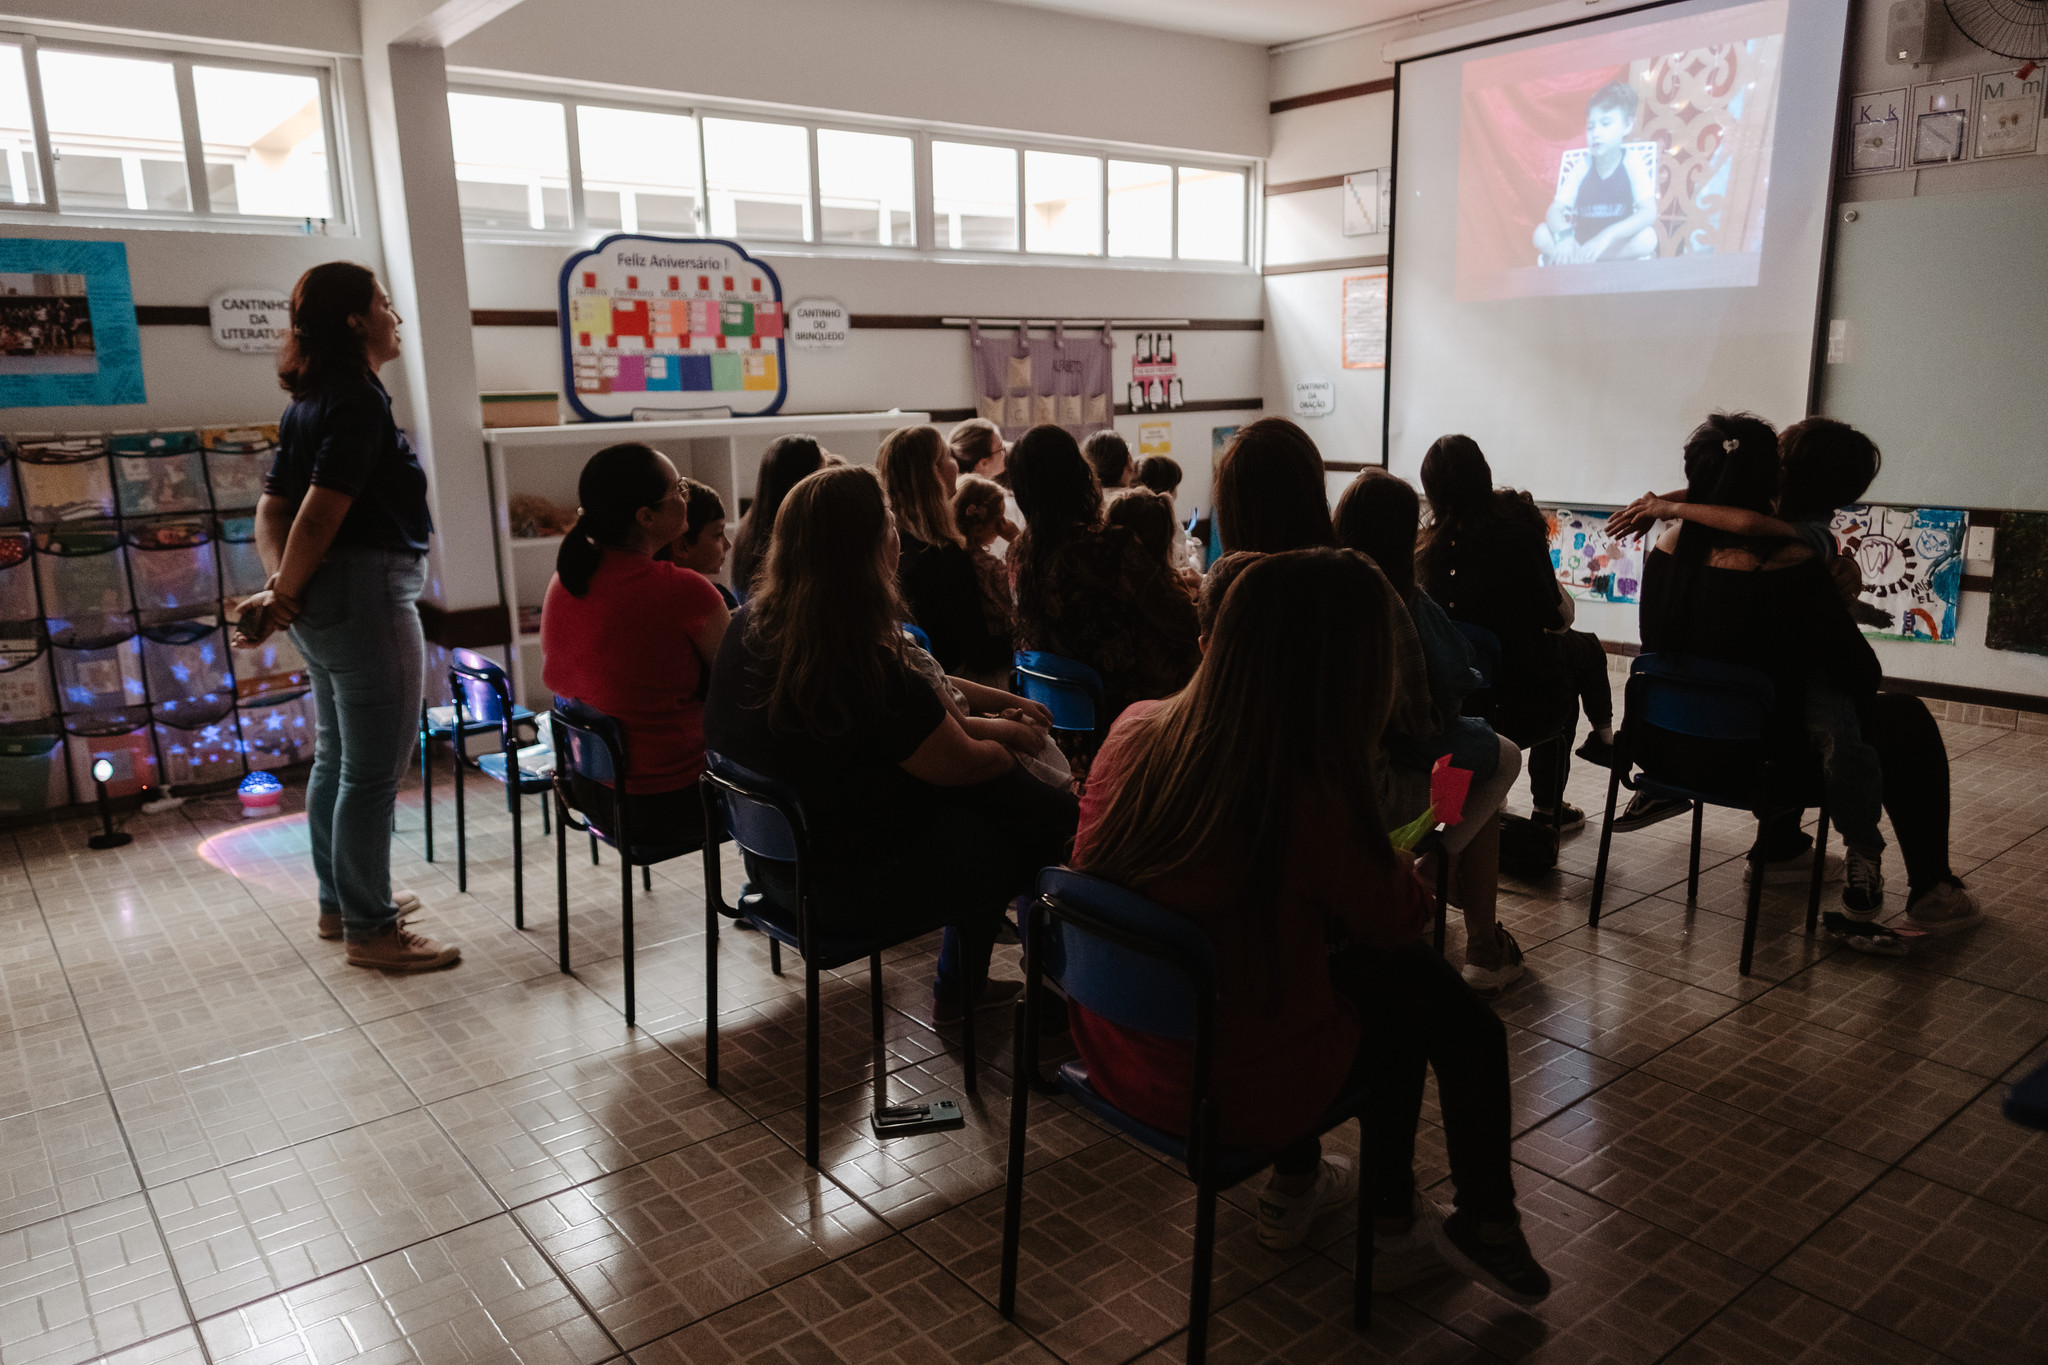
(659, 325)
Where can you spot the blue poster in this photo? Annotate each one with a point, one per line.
(67, 325)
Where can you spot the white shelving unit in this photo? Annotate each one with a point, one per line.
(725, 453)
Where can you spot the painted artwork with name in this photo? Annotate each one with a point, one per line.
(671, 325)
(1593, 565)
(1911, 561)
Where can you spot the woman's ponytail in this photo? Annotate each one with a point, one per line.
(615, 484)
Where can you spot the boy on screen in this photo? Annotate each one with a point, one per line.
(1606, 204)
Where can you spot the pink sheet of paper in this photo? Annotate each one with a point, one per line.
(1447, 789)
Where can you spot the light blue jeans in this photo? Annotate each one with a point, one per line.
(360, 633)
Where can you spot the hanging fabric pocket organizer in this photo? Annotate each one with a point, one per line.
(105, 704)
(278, 734)
(11, 508)
(173, 565)
(241, 568)
(65, 478)
(31, 743)
(272, 672)
(158, 472)
(1071, 381)
(17, 577)
(84, 579)
(189, 671)
(237, 458)
(205, 755)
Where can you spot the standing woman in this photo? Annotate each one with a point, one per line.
(342, 528)
(936, 571)
(788, 460)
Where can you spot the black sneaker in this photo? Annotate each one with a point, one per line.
(1597, 750)
(1507, 1267)
(1645, 810)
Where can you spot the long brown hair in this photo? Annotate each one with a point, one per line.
(1270, 494)
(1061, 499)
(321, 345)
(1290, 702)
(1458, 482)
(909, 465)
(824, 612)
(788, 460)
(1378, 515)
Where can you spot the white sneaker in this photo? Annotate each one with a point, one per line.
(1405, 1258)
(1507, 967)
(1862, 886)
(1284, 1220)
(1944, 909)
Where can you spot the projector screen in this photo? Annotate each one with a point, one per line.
(1606, 231)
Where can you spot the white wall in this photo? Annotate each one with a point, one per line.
(957, 61)
(313, 25)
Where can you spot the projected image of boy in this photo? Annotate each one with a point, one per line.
(1606, 204)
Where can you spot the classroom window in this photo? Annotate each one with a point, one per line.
(639, 169)
(265, 142)
(1063, 203)
(1140, 209)
(974, 196)
(757, 177)
(1211, 214)
(21, 176)
(115, 132)
(866, 190)
(511, 161)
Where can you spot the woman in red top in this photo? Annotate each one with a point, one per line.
(1247, 803)
(632, 636)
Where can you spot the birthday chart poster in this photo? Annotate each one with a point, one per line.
(1911, 560)
(680, 324)
(67, 325)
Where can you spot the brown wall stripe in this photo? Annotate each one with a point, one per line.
(1321, 182)
(1309, 267)
(1342, 92)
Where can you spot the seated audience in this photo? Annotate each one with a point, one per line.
(1149, 517)
(937, 574)
(632, 636)
(1160, 473)
(1379, 516)
(980, 515)
(1270, 494)
(1088, 591)
(790, 458)
(1109, 455)
(1485, 559)
(909, 817)
(977, 447)
(1247, 803)
(703, 544)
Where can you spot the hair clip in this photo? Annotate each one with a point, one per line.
(1729, 446)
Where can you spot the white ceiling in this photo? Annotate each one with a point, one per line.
(1245, 21)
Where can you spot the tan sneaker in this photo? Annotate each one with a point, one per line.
(399, 949)
(1944, 908)
(408, 903)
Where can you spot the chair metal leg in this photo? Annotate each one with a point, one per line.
(1443, 894)
(810, 1065)
(1361, 1287)
(1692, 874)
(1606, 841)
(714, 896)
(562, 888)
(1756, 899)
(545, 831)
(461, 824)
(875, 994)
(513, 803)
(626, 927)
(775, 956)
(968, 1061)
(1204, 1268)
(1820, 862)
(427, 786)
(647, 878)
(1013, 1181)
(593, 850)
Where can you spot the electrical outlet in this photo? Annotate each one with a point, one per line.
(1977, 544)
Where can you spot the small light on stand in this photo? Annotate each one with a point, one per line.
(109, 837)
(259, 793)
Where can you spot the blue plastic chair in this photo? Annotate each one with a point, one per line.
(1731, 707)
(1071, 690)
(767, 821)
(481, 690)
(592, 745)
(1139, 966)
(438, 726)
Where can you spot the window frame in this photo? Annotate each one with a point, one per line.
(182, 59)
(927, 243)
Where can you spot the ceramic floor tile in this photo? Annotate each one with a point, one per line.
(250, 1230)
(46, 1064)
(198, 1025)
(886, 1303)
(1982, 1152)
(493, 955)
(1957, 1023)
(1738, 1184)
(1104, 1253)
(212, 1116)
(1625, 1291)
(668, 979)
(175, 957)
(1861, 1094)
(2009, 950)
(77, 1287)
(494, 1035)
(33, 987)
(173, 1348)
(656, 1247)
(60, 1160)
(1606, 1008)
(481, 1294)
(540, 1134)
(1699, 947)
(1774, 1324)
(1940, 1267)
(909, 1179)
(1544, 1076)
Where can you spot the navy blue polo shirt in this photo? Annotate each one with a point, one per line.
(342, 437)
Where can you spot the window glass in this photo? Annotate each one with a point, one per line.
(115, 130)
(1211, 215)
(758, 179)
(639, 169)
(265, 142)
(511, 161)
(974, 196)
(21, 180)
(1063, 201)
(1140, 209)
(865, 184)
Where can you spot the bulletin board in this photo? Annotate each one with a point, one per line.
(669, 326)
(67, 325)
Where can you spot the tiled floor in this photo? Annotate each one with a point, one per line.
(220, 1143)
